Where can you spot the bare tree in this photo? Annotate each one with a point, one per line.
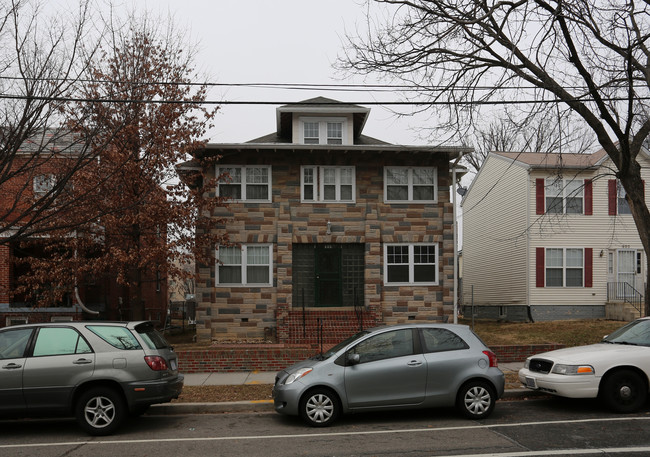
(540, 132)
(43, 60)
(591, 57)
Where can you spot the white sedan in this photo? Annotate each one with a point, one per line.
(617, 369)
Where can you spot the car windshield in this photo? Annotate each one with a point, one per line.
(342, 344)
(635, 333)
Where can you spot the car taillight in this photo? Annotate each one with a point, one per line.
(492, 358)
(156, 363)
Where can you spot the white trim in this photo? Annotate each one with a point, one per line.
(411, 265)
(243, 182)
(322, 128)
(410, 185)
(564, 267)
(318, 186)
(243, 266)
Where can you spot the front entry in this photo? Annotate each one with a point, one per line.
(328, 275)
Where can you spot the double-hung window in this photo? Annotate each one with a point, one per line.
(245, 183)
(246, 265)
(622, 204)
(43, 184)
(322, 130)
(410, 184)
(411, 264)
(564, 196)
(327, 184)
(565, 267)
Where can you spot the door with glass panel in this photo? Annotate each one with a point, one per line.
(626, 272)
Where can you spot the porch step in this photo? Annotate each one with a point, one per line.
(334, 325)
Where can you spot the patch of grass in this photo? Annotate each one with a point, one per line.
(569, 333)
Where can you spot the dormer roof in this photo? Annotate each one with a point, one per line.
(323, 106)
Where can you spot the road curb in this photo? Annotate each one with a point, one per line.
(267, 405)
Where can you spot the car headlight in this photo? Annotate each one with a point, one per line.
(527, 364)
(297, 375)
(559, 368)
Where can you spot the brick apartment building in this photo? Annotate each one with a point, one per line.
(101, 294)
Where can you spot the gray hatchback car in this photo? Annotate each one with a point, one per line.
(99, 372)
(396, 367)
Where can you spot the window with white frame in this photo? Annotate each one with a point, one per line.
(411, 264)
(327, 184)
(622, 204)
(564, 267)
(245, 265)
(410, 184)
(245, 183)
(322, 130)
(43, 184)
(564, 196)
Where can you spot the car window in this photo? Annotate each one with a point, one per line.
(118, 337)
(385, 345)
(59, 341)
(14, 342)
(441, 339)
(152, 338)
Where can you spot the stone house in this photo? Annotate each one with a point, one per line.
(331, 230)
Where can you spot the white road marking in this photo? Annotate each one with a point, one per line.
(377, 432)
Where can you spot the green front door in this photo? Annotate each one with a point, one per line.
(328, 275)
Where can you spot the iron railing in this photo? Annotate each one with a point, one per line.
(626, 293)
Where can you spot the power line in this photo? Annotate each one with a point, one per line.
(333, 103)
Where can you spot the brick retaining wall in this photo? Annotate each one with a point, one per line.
(274, 357)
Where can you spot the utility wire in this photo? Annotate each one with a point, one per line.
(334, 103)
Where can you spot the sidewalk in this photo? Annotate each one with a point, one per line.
(265, 377)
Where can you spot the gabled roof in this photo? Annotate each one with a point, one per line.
(321, 105)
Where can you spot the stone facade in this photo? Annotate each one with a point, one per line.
(287, 221)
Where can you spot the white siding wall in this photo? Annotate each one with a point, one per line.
(599, 231)
(494, 235)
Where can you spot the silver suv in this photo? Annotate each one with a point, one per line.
(398, 367)
(99, 372)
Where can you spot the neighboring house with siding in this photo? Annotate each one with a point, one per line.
(550, 236)
(331, 230)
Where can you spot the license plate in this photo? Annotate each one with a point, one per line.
(531, 383)
(173, 364)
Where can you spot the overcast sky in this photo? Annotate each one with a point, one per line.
(277, 41)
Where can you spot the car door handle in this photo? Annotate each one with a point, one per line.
(82, 362)
(11, 366)
(414, 363)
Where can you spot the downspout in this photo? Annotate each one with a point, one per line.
(453, 199)
(78, 298)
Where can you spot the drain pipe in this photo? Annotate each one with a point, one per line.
(78, 298)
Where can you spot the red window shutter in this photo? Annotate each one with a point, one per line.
(589, 267)
(611, 194)
(539, 267)
(539, 196)
(589, 197)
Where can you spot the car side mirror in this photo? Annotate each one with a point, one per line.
(353, 359)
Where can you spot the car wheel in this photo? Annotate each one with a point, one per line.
(319, 407)
(476, 400)
(100, 411)
(624, 391)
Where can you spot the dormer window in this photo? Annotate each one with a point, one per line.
(322, 130)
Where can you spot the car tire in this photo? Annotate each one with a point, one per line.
(100, 411)
(319, 407)
(476, 399)
(624, 391)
